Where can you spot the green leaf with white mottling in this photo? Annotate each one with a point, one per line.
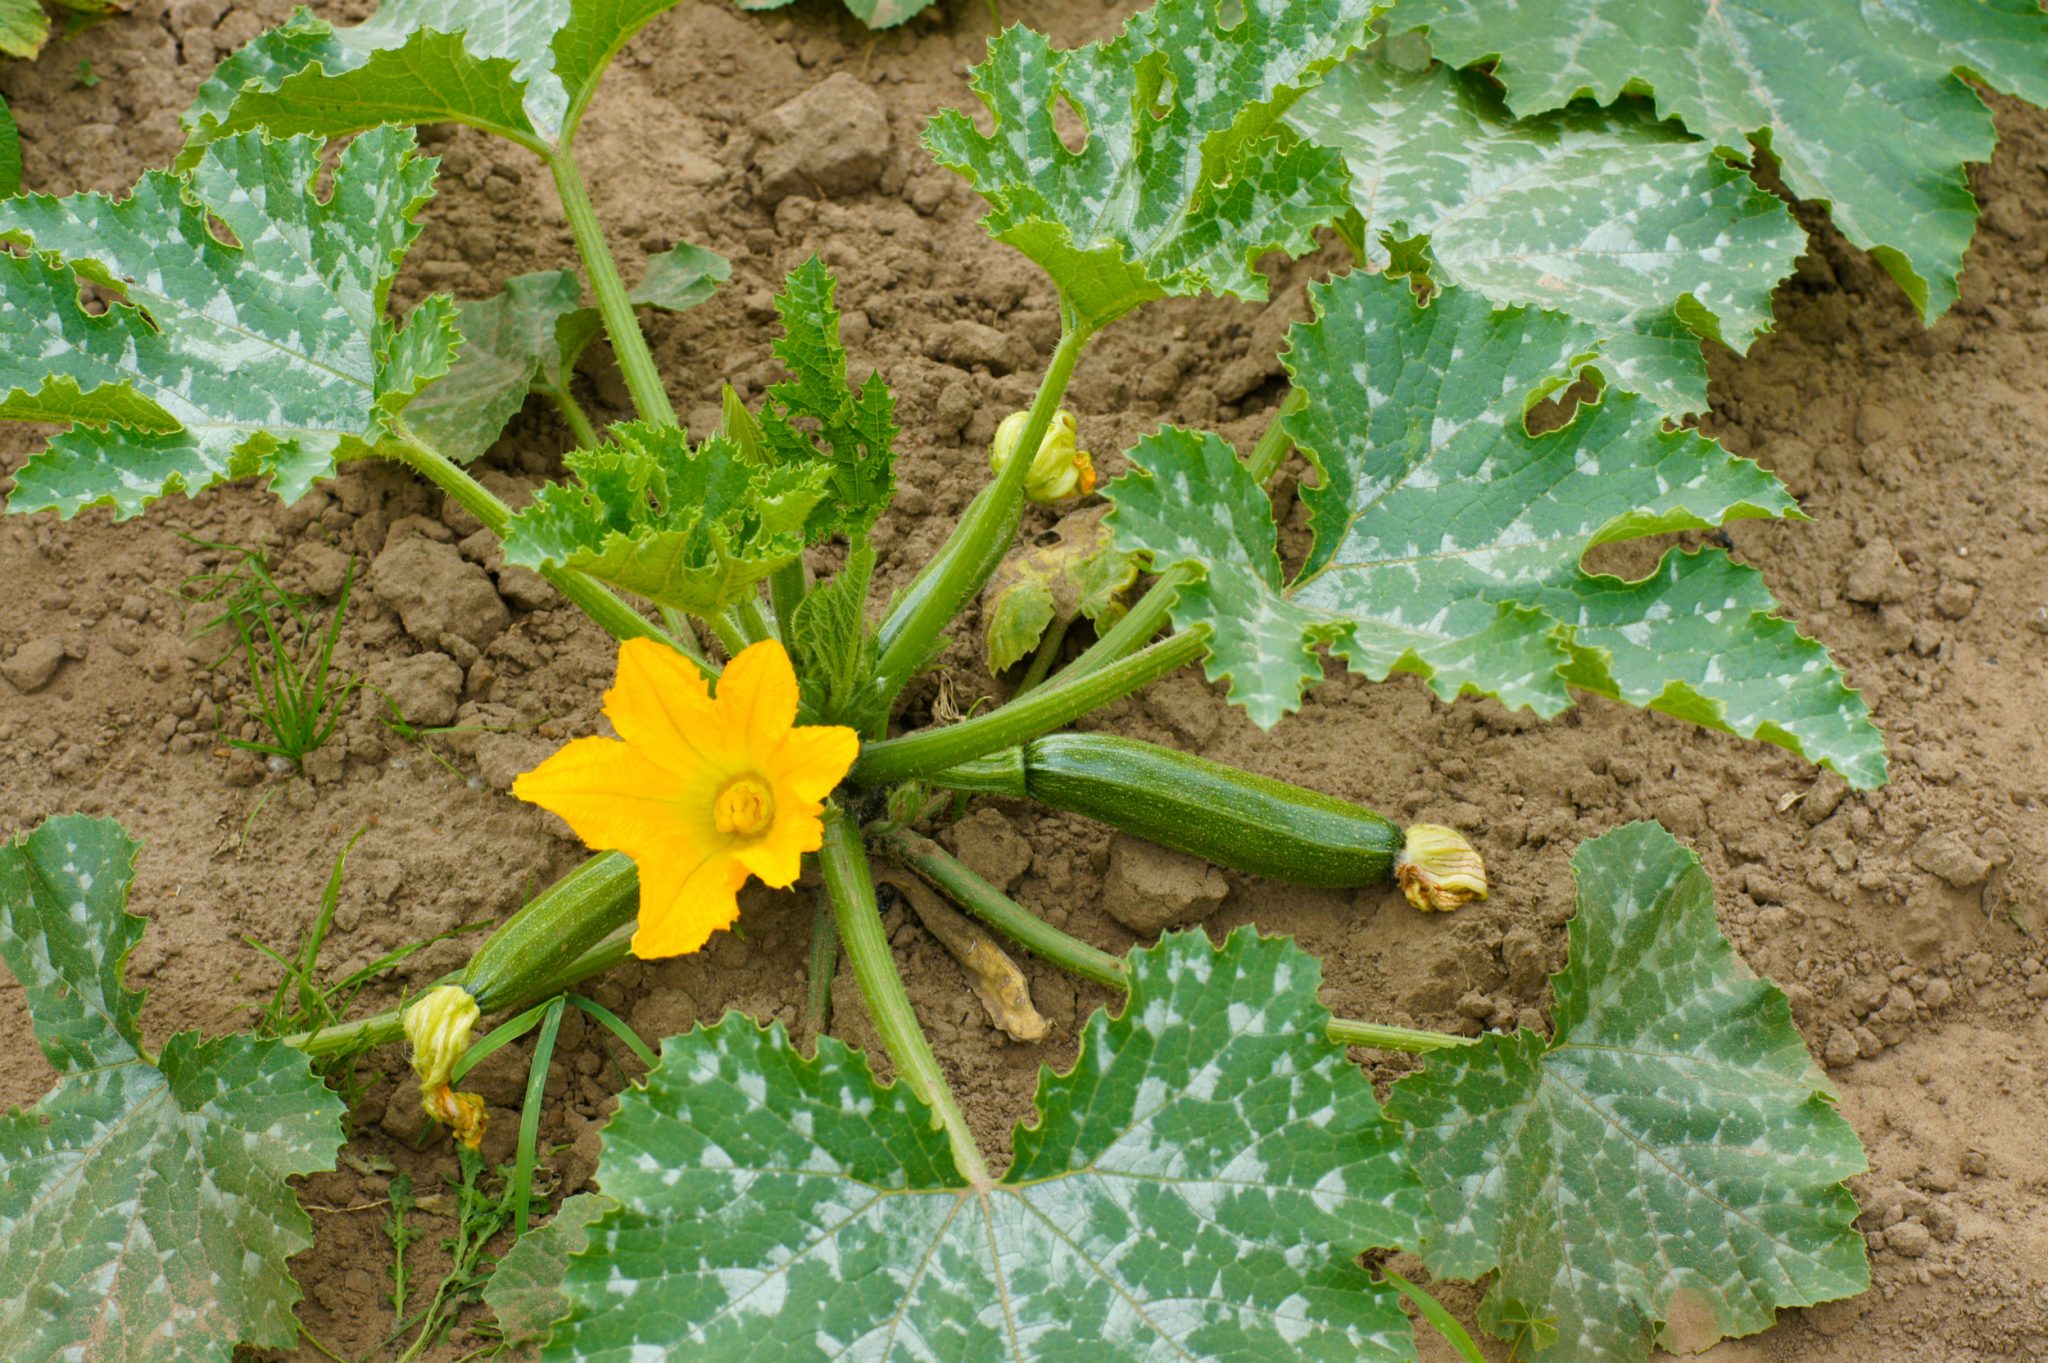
(1606, 215)
(24, 28)
(531, 336)
(522, 69)
(1667, 1168)
(818, 419)
(1198, 1187)
(690, 528)
(1182, 184)
(525, 1290)
(1862, 102)
(144, 1209)
(271, 355)
(1448, 540)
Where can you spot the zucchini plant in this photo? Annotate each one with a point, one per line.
(1204, 1182)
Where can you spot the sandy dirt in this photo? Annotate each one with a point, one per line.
(1906, 924)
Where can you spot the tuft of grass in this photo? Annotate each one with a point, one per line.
(482, 1209)
(296, 696)
(305, 1002)
(245, 586)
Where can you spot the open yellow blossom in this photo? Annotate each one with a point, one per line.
(701, 792)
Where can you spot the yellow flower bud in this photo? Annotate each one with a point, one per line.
(1059, 470)
(438, 1024)
(1438, 869)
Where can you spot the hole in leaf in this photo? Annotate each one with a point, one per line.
(1229, 15)
(1558, 409)
(222, 233)
(1069, 124)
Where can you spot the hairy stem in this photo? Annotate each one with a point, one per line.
(1149, 615)
(598, 601)
(577, 419)
(964, 561)
(1039, 712)
(629, 343)
(874, 969)
(952, 877)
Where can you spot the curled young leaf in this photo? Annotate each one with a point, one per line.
(817, 418)
(1887, 160)
(1181, 183)
(144, 1208)
(1449, 540)
(244, 329)
(1606, 215)
(524, 71)
(1668, 1167)
(1199, 1186)
(692, 528)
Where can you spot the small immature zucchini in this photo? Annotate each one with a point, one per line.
(567, 919)
(1231, 817)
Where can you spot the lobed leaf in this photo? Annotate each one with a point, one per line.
(531, 336)
(1449, 541)
(1667, 1168)
(873, 13)
(689, 528)
(817, 419)
(1861, 102)
(834, 646)
(1181, 184)
(24, 28)
(1198, 1186)
(144, 1208)
(1606, 215)
(262, 348)
(525, 1290)
(523, 70)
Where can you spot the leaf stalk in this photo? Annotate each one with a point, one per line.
(1044, 709)
(867, 949)
(614, 304)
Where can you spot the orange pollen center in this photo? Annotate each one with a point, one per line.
(745, 808)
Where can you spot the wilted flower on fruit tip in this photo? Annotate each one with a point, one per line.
(699, 792)
(438, 1024)
(1438, 869)
(1059, 470)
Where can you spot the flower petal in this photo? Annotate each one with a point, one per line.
(682, 905)
(757, 698)
(778, 856)
(661, 704)
(814, 759)
(616, 798)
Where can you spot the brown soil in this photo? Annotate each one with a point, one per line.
(1906, 924)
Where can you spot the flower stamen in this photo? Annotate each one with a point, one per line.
(745, 808)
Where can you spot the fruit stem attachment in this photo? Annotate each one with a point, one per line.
(1042, 710)
(598, 601)
(953, 878)
(971, 553)
(614, 305)
(867, 949)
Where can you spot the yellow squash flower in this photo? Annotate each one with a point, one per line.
(701, 792)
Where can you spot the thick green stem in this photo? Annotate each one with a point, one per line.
(1149, 615)
(1058, 702)
(964, 561)
(598, 601)
(746, 613)
(614, 305)
(953, 878)
(787, 587)
(874, 969)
